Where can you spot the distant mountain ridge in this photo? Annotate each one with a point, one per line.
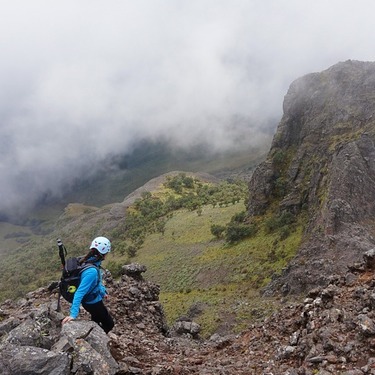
(322, 165)
(120, 175)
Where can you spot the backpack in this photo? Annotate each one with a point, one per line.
(71, 277)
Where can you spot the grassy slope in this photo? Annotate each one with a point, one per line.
(198, 272)
(9, 237)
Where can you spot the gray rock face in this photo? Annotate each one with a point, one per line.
(34, 342)
(134, 270)
(22, 360)
(34, 348)
(90, 345)
(324, 155)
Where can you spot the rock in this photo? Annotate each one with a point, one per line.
(8, 325)
(294, 338)
(350, 279)
(186, 328)
(37, 330)
(134, 270)
(28, 333)
(25, 360)
(53, 286)
(369, 258)
(366, 325)
(285, 352)
(90, 347)
(81, 347)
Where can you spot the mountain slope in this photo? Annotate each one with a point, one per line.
(322, 165)
(212, 279)
(311, 213)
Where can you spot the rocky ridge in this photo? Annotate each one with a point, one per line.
(332, 331)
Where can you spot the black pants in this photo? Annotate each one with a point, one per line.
(100, 315)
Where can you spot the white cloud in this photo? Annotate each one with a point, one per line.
(83, 79)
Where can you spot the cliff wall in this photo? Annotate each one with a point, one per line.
(322, 165)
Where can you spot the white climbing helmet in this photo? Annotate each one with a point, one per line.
(102, 244)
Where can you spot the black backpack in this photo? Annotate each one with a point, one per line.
(71, 277)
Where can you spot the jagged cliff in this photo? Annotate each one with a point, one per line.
(322, 165)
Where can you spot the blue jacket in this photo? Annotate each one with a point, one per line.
(90, 290)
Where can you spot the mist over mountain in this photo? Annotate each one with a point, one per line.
(83, 82)
(118, 175)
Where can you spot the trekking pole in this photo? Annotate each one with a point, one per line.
(62, 251)
(58, 308)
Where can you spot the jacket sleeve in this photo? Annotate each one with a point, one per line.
(88, 282)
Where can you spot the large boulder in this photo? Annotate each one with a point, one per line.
(26, 360)
(89, 345)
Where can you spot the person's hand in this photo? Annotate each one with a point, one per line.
(67, 319)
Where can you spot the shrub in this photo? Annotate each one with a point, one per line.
(279, 160)
(218, 230)
(188, 182)
(280, 187)
(131, 251)
(160, 226)
(239, 217)
(284, 232)
(115, 268)
(282, 220)
(236, 231)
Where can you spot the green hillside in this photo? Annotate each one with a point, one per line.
(212, 276)
(214, 280)
(221, 280)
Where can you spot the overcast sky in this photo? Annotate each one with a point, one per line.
(84, 79)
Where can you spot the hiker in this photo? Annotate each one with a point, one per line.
(91, 291)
